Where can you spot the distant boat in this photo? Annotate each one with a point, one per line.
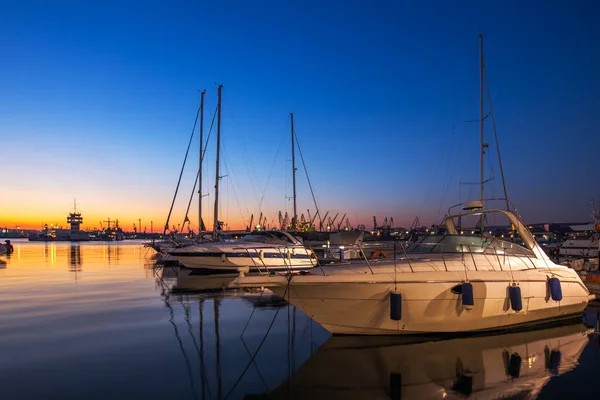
(580, 248)
(584, 242)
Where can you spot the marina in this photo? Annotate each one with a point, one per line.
(144, 337)
(326, 200)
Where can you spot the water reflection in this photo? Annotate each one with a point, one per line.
(509, 365)
(74, 258)
(133, 332)
(227, 377)
(514, 365)
(112, 252)
(178, 280)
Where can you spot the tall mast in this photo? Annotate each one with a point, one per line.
(200, 224)
(294, 217)
(216, 217)
(481, 116)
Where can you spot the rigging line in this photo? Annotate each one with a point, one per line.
(181, 173)
(186, 218)
(245, 149)
(256, 367)
(260, 344)
(233, 184)
(187, 211)
(306, 172)
(495, 134)
(450, 171)
(187, 360)
(270, 174)
(212, 122)
(431, 184)
(252, 313)
(186, 308)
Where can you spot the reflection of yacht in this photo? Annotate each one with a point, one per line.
(189, 282)
(483, 367)
(259, 251)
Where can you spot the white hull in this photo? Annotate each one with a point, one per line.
(356, 299)
(256, 259)
(360, 305)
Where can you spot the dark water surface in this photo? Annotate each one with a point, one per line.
(101, 321)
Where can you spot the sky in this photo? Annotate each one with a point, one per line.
(99, 101)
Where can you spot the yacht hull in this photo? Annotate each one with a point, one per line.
(429, 304)
(263, 260)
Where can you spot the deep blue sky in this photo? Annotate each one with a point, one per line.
(98, 100)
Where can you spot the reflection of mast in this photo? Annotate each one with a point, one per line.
(201, 352)
(187, 360)
(216, 303)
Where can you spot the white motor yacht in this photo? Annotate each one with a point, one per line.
(259, 251)
(446, 283)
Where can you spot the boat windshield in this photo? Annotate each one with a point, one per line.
(266, 237)
(467, 244)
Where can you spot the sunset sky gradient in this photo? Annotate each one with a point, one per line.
(99, 99)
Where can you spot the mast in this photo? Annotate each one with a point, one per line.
(200, 224)
(294, 216)
(216, 220)
(481, 117)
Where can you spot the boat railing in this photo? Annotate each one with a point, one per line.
(464, 250)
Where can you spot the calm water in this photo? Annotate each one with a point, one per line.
(100, 320)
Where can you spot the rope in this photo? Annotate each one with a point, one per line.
(187, 360)
(259, 346)
(198, 174)
(307, 177)
(270, 174)
(181, 173)
(496, 136)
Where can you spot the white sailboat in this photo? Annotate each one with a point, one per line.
(262, 251)
(445, 283)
